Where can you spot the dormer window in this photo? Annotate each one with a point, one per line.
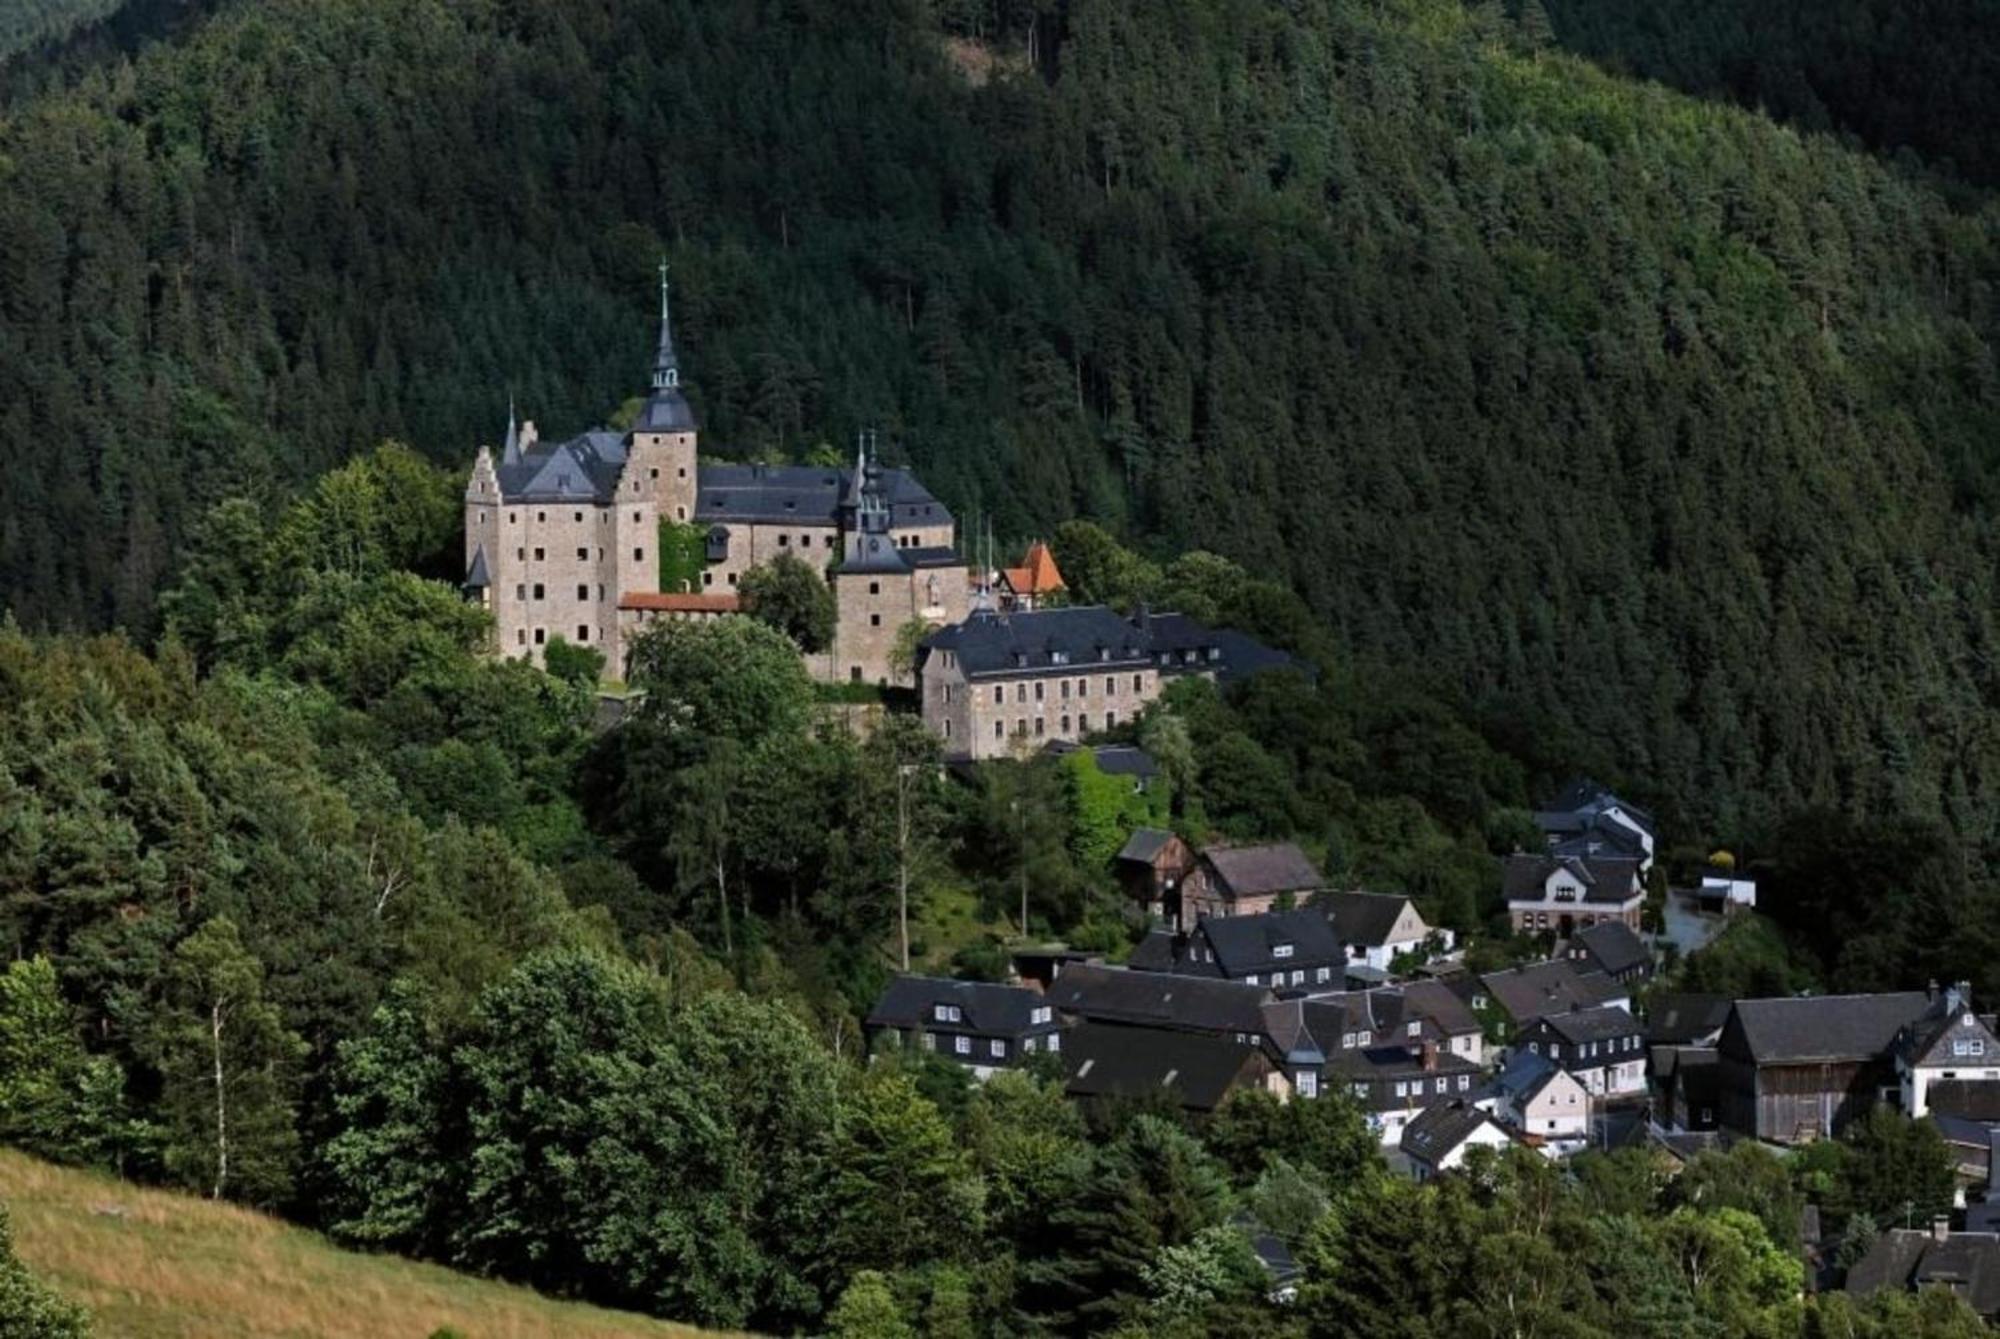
(1041, 1014)
(1416, 1029)
(1363, 1037)
(1282, 951)
(1104, 653)
(946, 1013)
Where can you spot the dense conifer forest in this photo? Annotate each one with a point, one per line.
(1640, 422)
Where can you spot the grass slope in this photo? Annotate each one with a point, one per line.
(152, 1263)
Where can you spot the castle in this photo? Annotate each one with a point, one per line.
(566, 540)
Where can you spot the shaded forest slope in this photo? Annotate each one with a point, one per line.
(1609, 407)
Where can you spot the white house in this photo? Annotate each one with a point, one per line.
(1543, 1101)
(1720, 884)
(1601, 1047)
(1949, 1042)
(1439, 1138)
(1379, 927)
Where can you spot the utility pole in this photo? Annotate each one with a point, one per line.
(903, 855)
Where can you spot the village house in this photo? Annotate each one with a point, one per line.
(1949, 1043)
(564, 539)
(1379, 927)
(1686, 1083)
(1439, 1139)
(1683, 1019)
(1244, 880)
(1964, 1263)
(1036, 582)
(1545, 1103)
(1118, 996)
(1601, 1047)
(1614, 949)
(1151, 867)
(1195, 1072)
(1293, 949)
(1562, 894)
(1555, 986)
(1588, 820)
(1395, 1082)
(982, 1026)
(1725, 889)
(1797, 1069)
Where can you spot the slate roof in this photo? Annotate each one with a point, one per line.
(1821, 1028)
(1538, 989)
(1524, 1075)
(1157, 952)
(1144, 844)
(986, 1007)
(1675, 1019)
(1433, 1134)
(1439, 1003)
(1966, 1262)
(1182, 645)
(1190, 1003)
(1078, 640)
(1583, 798)
(1599, 837)
(583, 469)
(665, 410)
(1610, 880)
(1612, 947)
(1285, 1023)
(1362, 918)
(1112, 760)
(1246, 944)
(1197, 1072)
(805, 494)
(476, 576)
(1967, 1099)
(1274, 867)
(1587, 1025)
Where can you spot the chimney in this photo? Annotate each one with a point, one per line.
(1941, 1228)
(1429, 1051)
(528, 435)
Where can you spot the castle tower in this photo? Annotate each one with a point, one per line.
(661, 443)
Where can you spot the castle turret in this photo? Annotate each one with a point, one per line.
(662, 438)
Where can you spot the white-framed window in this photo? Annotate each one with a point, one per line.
(1027, 1044)
(1363, 1037)
(1346, 1040)
(963, 1045)
(1308, 1084)
(1442, 1084)
(1416, 1028)
(1055, 1041)
(1360, 1090)
(1298, 976)
(946, 1013)
(1282, 951)
(998, 1048)
(1323, 975)
(1251, 979)
(1041, 1013)
(1402, 1088)
(930, 1042)
(1464, 1082)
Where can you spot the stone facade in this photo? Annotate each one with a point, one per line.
(563, 540)
(997, 716)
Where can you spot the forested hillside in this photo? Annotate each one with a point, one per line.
(1660, 433)
(23, 23)
(1921, 75)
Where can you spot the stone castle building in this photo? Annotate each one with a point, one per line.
(564, 539)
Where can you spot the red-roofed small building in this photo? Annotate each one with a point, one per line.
(1034, 582)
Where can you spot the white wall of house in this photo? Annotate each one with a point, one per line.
(1559, 1113)
(1486, 1135)
(1917, 1081)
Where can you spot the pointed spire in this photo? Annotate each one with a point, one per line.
(511, 453)
(666, 366)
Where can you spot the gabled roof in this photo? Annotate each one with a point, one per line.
(1111, 759)
(1612, 947)
(1246, 944)
(584, 469)
(1598, 837)
(908, 1001)
(1948, 1023)
(1440, 1004)
(1190, 1003)
(1525, 1074)
(1037, 574)
(1438, 1130)
(1182, 645)
(1587, 1025)
(1197, 1072)
(1673, 1019)
(1273, 867)
(1285, 1023)
(805, 495)
(1144, 844)
(1363, 918)
(1159, 951)
(1584, 798)
(1820, 1028)
(1607, 880)
(1966, 1262)
(1539, 989)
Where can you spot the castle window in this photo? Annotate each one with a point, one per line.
(997, 729)
(583, 555)
(541, 517)
(539, 637)
(521, 591)
(947, 694)
(708, 578)
(1065, 692)
(638, 555)
(1038, 726)
(1065, 723)
(680, 513)
(874, 588)
(784, 541)
(520, 636)
(874, 620)
(1110, 719)
(947, 729)
(577, 517)
(521, 554)
(513, 517)
(1138, 683)
(1038, 690)
(600, 590)
(583, 632)
(582, 591)
(540, 554)
(1110, 686)
(538, 590)
(1083, 688)
(805, 541)
(652, 474)
(1083, 722)
(683, 472)
(999, 693)
(732, 578)
(1020, 692)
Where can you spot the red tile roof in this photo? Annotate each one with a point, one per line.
(1037, 574)
(662, 602)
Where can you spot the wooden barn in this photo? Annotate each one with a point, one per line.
(1795, 1070)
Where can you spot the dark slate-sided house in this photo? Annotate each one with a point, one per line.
(1601, 1046)
(1439, 1139)
(1290, 950)
(1966, 1263)
(1190, 1070)
(1686, 1020)
(1687, 1087)
(1798, 1069)
(1556, 986)
(1586, 816)
(1243, 880)
(979, 1024)
(1613, 948)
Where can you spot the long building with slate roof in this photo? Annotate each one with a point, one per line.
(563, 539)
